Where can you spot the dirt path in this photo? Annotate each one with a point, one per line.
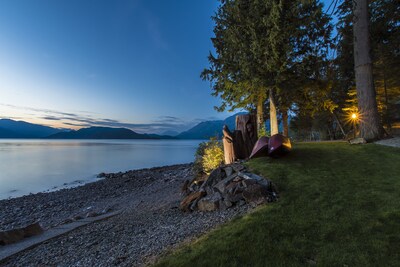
(395, 142)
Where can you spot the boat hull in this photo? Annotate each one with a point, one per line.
(278, 145)
(260, 149)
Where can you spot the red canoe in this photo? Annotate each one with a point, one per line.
(278, 145)
(260, 149)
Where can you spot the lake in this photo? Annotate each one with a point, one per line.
(31, 166)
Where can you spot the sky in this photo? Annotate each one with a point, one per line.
(125, 63)
(134, 64)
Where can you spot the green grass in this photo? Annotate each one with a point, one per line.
(339, 206)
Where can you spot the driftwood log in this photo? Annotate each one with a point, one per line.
(239, 143)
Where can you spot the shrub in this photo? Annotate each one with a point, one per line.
(263, 132)
(209, 155)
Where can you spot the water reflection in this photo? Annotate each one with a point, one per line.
(37, 165)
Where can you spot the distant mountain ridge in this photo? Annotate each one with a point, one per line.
(105, 133)
(21, 129)
(207, 129)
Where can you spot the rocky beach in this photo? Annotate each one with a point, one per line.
(150, 222)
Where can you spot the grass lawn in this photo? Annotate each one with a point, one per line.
(339, 206)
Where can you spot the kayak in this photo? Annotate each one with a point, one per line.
(260, 149)
(278, 145)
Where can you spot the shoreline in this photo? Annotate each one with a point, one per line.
(150, 223)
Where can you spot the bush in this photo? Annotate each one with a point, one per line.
(263, 132)
(209, 155)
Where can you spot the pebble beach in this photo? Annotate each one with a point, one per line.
(149, 225)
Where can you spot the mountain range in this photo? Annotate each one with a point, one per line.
(207, 129)
(21, 129)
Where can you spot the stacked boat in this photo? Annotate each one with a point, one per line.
(275, 146)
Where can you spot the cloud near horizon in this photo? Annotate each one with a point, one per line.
(78, 120)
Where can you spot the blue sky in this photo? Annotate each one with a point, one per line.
(135, 64)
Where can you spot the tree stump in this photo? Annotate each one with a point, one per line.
(239, 143)
(247, 125)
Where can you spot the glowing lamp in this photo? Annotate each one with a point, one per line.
(354, 116)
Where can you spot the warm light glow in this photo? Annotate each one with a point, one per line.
(354, 116)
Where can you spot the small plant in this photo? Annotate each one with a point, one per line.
(263, 132)
(209, 155)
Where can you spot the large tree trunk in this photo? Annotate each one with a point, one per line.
(239, 143)
(260, 113)
(370, 123)
(247, 125)
(272, 113)
(285, 122)
(387, 114)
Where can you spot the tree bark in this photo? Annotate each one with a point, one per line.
(272, 113)
(260, 113)
(387, 114)
(339, 124)
(369, 120)
(247, 125)
(285, 122)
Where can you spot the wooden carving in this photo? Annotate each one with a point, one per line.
(229, 150)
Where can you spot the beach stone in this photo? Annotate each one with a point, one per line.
(77, 217)
(230, 188)
(214, 177)
(357, 141)
(91, 214)
(221, 186)
(209, 202)
(228, 171)
(227, 203)
(256, 194)
(248, 182)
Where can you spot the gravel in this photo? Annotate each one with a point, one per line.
(150, 224)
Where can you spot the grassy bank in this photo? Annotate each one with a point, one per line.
(339, 206)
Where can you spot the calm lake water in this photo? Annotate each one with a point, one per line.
(31, 166)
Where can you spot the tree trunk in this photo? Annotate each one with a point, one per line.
(387, 114)
(260, 114)
(285, 122)
(272, 113)
(339, 124)
(370, 124)
(234, 145)
(247, 125)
